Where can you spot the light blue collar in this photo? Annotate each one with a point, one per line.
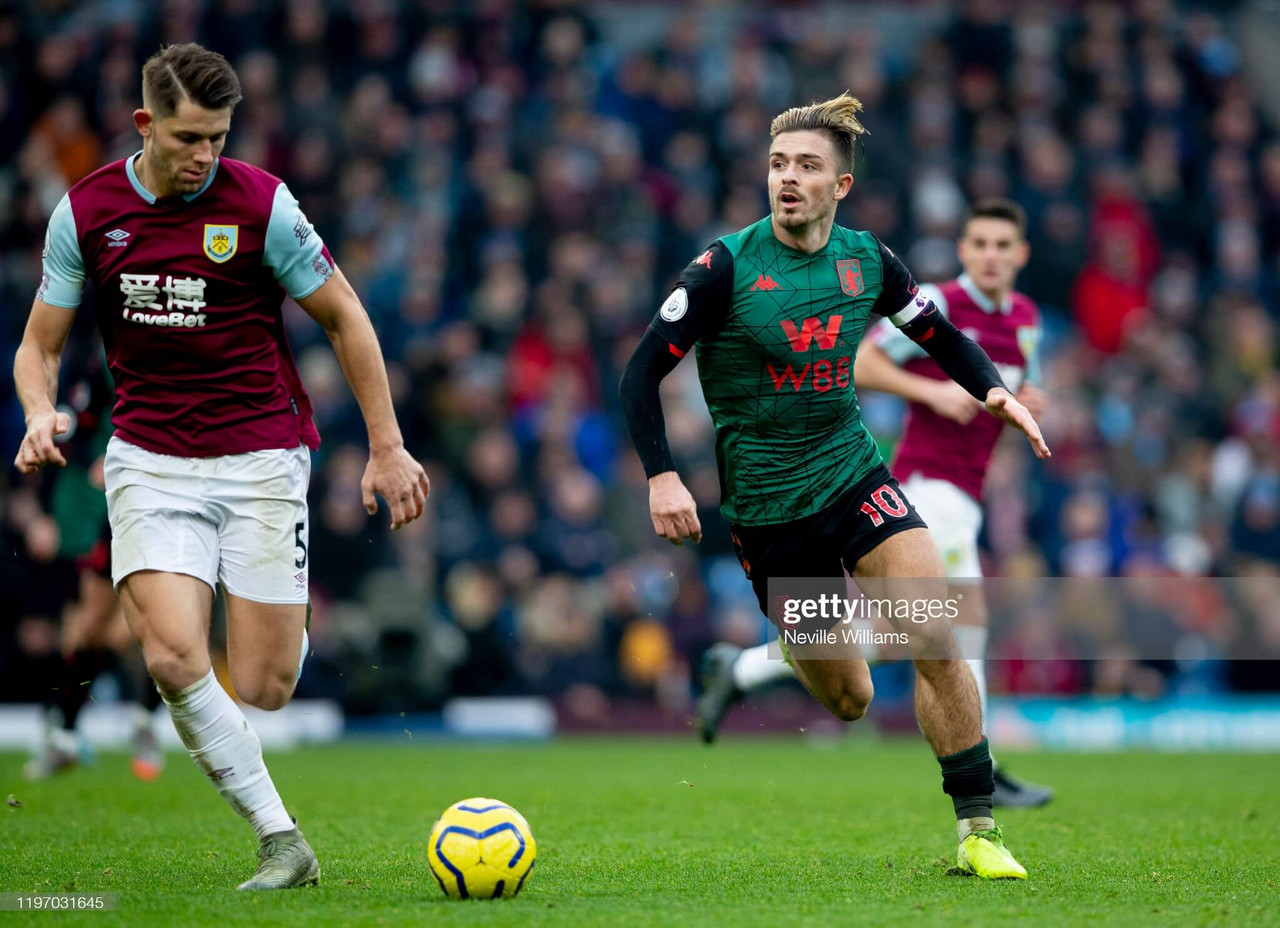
(151, 197)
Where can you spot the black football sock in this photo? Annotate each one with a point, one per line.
(78, 673)
(967, 779)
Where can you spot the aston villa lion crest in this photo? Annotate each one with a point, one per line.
(220, 242)
(850, 273)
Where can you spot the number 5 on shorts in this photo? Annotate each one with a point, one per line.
(300, 562)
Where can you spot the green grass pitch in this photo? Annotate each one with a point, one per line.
(636, 831)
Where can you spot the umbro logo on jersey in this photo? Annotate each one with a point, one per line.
(765, 282)
(118, 238)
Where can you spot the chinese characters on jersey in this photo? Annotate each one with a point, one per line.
(182, 305)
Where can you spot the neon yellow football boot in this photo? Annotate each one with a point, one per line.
(983, 854)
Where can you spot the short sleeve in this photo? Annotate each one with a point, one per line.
(62, 279)
(699, 302)
(293, 249)
(893, 342)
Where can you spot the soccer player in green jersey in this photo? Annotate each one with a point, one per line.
(776, 312)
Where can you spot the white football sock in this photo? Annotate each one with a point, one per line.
(967, 826)
(302, 658)
(222, 744)
(142, 719)
(754, 668)
(973, 645)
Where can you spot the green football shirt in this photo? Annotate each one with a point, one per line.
(776, 331)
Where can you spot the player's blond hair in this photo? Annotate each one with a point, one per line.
(837, 117)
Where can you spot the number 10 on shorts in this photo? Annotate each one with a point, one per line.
(888, 501)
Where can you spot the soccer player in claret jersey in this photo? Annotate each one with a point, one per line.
(95, 635)
(190, 256)
(776, 312)
(946, 446)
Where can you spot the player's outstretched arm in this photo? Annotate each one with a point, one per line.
(391, 472)
(35, 376)
(959, 356)
(873, 369)
(967, 364)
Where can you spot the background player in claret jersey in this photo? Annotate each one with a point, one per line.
(946, 446)
(95, 636)
(776, 311)
(190, 256)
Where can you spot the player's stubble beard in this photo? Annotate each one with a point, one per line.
(167, 168)
(166, 173)
(816, 209)
(807, 215)
(179, 184)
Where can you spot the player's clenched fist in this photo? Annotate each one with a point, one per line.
(38, 448)
(675, 516)
(400, 480)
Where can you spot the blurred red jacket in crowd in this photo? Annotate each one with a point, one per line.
(1110, 296)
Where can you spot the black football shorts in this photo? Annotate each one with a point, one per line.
(829, 542)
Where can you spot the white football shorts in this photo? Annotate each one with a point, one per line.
(954, 518)
(238, 519)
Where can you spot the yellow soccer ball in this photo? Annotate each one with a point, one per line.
(481, 849)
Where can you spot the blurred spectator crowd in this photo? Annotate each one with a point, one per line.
(512, 187)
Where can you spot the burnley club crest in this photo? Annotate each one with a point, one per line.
(220, 242)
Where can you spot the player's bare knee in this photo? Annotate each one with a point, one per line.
(932, 640)
(175, 669)
(847, 709)
(942, 673)
(852, 702)
(269, 692)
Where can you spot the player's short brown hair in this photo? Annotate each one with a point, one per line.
(998, 208)
(837, 117)
(188, 71)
